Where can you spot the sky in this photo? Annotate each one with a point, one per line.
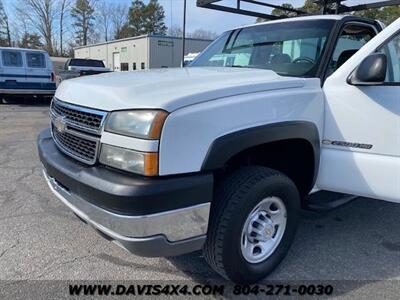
(201, 18)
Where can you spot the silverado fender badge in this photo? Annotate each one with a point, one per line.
(347, 144)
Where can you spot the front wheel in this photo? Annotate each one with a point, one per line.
(253, 222)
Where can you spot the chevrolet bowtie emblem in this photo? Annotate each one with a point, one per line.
(60, 124)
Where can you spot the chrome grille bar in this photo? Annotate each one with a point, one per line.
(79, 137)
(76, 145)
(81, 118)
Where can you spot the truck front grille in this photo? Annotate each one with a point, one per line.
(78, 116)
(77, 130)
(78, 147)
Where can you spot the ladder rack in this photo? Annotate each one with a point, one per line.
(238, 8)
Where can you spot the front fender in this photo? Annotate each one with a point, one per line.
(227, 146)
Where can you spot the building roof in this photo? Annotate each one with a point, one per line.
(141, 37)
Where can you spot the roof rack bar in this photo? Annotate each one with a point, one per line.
(340, 8)
(275, 6)
(237, 10)
(369, 6)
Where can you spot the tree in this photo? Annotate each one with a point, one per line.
(124, 32)
(104, 19)
(311, 7)
(70, 48)
(390, 14)
(41, 15)
(282, 12)
(146, 19)
(20, 27)
(175, 31)
(203, 34)
(83, 14)
(64, 6)
(119, 20)
(386, 14)
(136, 17)
(5, 35)
(31, 41)
(154, 18)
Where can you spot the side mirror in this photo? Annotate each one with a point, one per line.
(371, 71)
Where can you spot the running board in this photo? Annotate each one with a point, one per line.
(324, 200)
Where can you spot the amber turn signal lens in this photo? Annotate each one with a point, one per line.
(158, 123)
(151, 164)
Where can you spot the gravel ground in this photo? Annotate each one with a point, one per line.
(42, 239)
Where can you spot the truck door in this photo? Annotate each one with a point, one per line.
(360, 152)
(13, 74)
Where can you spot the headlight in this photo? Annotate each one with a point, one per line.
(129, 160)
(145, 124)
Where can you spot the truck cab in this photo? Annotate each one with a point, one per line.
(222, 155)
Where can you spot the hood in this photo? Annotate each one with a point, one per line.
(169, 89)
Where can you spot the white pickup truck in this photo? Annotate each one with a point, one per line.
(221, 155)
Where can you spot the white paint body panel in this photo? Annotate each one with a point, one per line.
(189, 132)
(362, 114)
(168, 89)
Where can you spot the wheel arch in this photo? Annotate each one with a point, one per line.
(291, 137)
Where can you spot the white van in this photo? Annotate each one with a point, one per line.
(26, 72)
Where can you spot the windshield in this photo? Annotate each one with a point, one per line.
(77, 62)
(288, 48)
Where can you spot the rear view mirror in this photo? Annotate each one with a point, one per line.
(371, 71)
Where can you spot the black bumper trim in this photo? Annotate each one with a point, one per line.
(120, 192)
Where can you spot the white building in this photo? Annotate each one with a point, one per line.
(142, 52)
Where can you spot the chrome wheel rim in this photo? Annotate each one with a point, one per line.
(263, 230)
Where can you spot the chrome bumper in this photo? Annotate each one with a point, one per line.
(174, 225)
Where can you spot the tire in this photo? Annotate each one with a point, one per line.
(235, 200)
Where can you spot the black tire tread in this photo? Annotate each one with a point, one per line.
(239, 183)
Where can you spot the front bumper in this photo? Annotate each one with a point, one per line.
(126, 209)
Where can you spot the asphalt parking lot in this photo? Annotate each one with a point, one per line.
(42, 239)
